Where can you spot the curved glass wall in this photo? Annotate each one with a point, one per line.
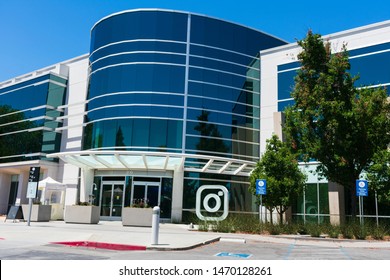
(223, 116)
(173, 81)
(137, 82)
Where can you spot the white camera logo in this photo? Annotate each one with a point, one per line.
(217, 197)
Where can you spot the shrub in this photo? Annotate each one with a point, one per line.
(203, 226)
(333, 231)
(274, 229)
(314, 229)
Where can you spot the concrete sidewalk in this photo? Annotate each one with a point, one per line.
(171, 236)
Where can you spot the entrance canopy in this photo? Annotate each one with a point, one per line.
(158, 161)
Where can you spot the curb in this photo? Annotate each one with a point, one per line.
(154, 248)
(328, 239)
(101, 245)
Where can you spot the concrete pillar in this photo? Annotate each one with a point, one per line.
(177, 195)
(5, 184)
(336, 203)
(279, 120)
(288, 215)
(86, 184)
(22, 187)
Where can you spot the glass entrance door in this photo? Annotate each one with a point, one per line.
(146, 192)
(112, 199)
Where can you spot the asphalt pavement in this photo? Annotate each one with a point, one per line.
(112, 235)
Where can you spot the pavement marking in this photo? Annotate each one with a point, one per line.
(102, 245)
(345, 253)
(235, 255)
(235, 240)
(289, 250)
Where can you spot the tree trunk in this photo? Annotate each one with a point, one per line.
(281, 215)
(281, 218)
(353, 204)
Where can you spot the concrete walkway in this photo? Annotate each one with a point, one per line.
(171, 236)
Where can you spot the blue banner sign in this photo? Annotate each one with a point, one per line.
(261, 186)
(361, 188)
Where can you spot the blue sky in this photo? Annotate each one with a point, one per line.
(38, 33)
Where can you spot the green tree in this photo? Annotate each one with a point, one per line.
(284, 178)
(378, 175)
(332, 121)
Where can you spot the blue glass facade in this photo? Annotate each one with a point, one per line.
(370, 64)
(172, 73)
(166, 81)
(28, 118)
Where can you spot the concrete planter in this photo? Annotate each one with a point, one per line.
(39, 213)
(78, 214)
(141, 217)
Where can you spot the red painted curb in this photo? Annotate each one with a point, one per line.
(102, 245)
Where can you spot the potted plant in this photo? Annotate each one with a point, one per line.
(138, 214)
(82, 213)
(39, 212)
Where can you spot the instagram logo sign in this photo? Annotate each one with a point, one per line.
(213, 198)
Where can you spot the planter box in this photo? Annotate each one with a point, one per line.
(78, 214)
(141, 217)
(39, 213)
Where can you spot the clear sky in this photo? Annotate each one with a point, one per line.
(38, 33)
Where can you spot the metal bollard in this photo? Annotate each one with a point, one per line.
(155, 225)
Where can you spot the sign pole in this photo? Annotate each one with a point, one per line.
(261, 189)
(30, 202)
(261, 208)
(376, 209)
(361, 210)
(32, 188)
(361, 190)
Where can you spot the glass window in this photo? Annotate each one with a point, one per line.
(149, 25)
(220, 105)
(222, 147)
(139, 45)
(220, 65)
(133, 111)
(215, 77)
(22, 97)
(239, 197)
(235, 133)
(243, 94)
(222, 34)
(25, 98)
(222, 118)
(141, 129)
(286, 84)
(137, 98)
(158, 133)
(283, 104)
(324, 198)
(374, 48)
(140, 77)
(128, 133)
(23, 143)
(139, 57)
(311, 202)
(166, 197)
(372, 69)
